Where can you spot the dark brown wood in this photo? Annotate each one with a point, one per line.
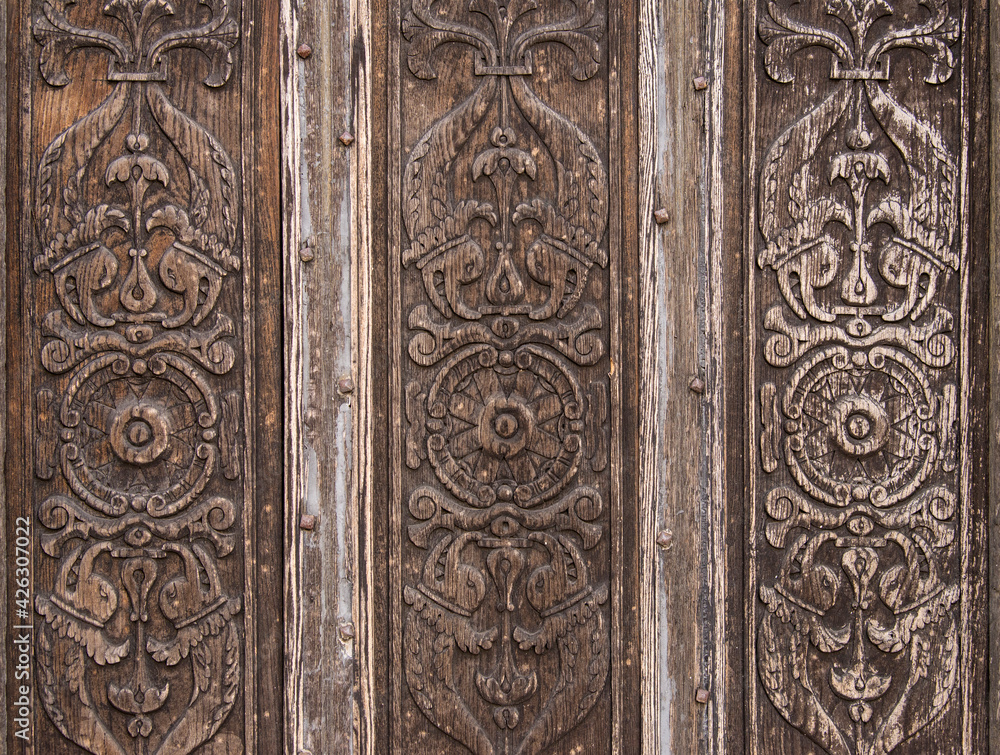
(867, 380)
(145, 346)
(510, 214)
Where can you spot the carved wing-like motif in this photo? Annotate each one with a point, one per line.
(137, 215)
(503, 268)
(859, 251)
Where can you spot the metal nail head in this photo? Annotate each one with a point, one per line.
(697, 385)
(304, 51)
(308, 522)
(665, 539)
(701, 696)
(700, 83)
(345, 384)
(662, 216)
(347, 138)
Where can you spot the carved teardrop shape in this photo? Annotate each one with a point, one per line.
(138, 294)
(504, 286)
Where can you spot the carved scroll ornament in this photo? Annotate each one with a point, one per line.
(137, 214)
(860, 242)
(505, 206)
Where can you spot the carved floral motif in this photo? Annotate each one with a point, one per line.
(858, 644)
(505, 206)
(137, 215)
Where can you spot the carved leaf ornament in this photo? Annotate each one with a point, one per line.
(858, 644)
(137, 214)
(498, 410)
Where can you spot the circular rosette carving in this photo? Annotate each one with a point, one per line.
(504, 425)
(860, 426)
(138, 434)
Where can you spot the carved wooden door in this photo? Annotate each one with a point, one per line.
(143, 475)
(509, 374)
(866, 247)
(662, 345)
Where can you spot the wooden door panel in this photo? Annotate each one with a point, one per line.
(145, 378)
(864, 598)
(511, 353)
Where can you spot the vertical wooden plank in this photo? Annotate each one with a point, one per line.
(4, 115)
(994, 395)
(545, 115)
(323, 64)
(649, 444)
(142, 292)
(292, 341)
(367, 189)
(866, 394)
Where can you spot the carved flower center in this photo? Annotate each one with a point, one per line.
(139, 433)
(506, 425)
(858, 426)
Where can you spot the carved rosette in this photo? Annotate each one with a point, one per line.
(137, 216)
(858, 566)
(504, 203)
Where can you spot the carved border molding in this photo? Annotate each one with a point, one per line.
(860, 519)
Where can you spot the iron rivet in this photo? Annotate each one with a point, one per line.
(307, 250)
(662, 216)
(347, 631)
(304, 51)
(308, 522)
(701, 696)
(697, 385)
(665, 539)
(347, 138)
(700, 83)
(345, 385)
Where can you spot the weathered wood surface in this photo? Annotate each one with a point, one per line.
(4, 319)
(866, 384)
(144, 275)
(994, 393)
(511, 231)
(692, 459)
(318, 92)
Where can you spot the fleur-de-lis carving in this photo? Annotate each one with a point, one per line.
(188, 213)
(856, 136)
(141, 55)
(448, 233)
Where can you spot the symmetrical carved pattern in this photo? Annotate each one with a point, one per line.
(858, 565)
(504, 280)
(137, 214)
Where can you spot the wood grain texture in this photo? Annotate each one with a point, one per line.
(367, 188)
(511, 377)
(649, 383)
(994, 340)
(320, 216)
(148, 366)
(994, 380)
(866, 392)
(4, 115)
